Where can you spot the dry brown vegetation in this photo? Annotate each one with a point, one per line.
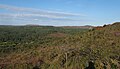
(59, 48)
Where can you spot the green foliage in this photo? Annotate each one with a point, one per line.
(48, 47)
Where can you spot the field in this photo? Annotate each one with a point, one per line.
(49, 47)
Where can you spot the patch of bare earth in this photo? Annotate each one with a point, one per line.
(57, 35)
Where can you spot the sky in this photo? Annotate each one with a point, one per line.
(59, 12)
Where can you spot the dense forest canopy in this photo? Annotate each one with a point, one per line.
(49, 47)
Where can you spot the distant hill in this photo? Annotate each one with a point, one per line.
(81, 27)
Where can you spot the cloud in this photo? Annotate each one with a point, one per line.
(31, 15)
(36, 17)
(38, 11)
(25, 15)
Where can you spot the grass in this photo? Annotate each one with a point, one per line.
(26, 47)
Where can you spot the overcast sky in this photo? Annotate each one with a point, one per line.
(59, 12)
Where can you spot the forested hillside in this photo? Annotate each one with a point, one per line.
(48, 47)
